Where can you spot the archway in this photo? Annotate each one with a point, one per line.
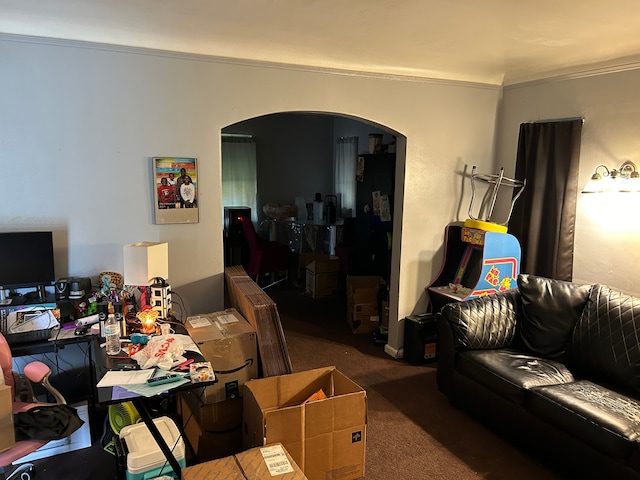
(296, 154)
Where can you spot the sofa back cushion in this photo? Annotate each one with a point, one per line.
(550, 310)
(605, 344)
(484, 322)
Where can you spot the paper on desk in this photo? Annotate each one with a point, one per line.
(30, 320)
(151, 390)
(125, 377)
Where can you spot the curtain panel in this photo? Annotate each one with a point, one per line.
(543, 218)
(239, 174)
(345, 174)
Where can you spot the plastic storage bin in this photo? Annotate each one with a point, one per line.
(145, 460)
(420, 338)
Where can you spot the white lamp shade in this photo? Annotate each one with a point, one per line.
(145, 261)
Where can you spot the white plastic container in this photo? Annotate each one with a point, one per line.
(145, 460)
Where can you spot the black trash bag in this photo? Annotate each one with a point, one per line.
(46, 422)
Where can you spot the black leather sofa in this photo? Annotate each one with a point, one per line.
(554, 366)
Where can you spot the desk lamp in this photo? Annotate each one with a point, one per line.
(146, 265)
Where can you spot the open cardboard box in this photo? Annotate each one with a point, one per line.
(325, 437)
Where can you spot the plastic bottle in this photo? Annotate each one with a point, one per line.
(318, 206)
(112, 335)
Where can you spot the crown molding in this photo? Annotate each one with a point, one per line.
(240, 61)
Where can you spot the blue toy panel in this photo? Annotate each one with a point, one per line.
(500, 264)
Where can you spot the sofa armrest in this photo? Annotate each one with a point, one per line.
(484, 322)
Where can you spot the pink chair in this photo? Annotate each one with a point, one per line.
(23, 400)
(265, 257)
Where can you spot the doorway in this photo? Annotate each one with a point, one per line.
(295, 155)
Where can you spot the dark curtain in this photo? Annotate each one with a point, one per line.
(543, 218)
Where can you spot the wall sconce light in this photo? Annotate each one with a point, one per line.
(625, 179)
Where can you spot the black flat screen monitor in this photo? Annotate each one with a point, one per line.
(26, 260)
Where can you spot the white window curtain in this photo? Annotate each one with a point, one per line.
(239, 178)
(345, 174)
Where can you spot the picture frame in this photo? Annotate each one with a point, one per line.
(175, 190)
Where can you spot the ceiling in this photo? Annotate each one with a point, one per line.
(498, 42)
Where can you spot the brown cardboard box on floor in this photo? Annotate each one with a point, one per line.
(7, 434)
(216, 436)
(255, 464)
(325, 437)
(219, 416)
(362, 303)
(323, 277)
(304, 259)
(228, 341)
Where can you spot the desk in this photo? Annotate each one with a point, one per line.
(307, 237)
(104, 396)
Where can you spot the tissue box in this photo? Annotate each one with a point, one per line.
(201, 372)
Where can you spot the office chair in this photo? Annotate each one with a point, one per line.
(23, 400)
(265, 257)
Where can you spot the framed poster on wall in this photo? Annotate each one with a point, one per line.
(175, 191)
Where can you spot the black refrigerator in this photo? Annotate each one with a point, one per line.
(375, 180)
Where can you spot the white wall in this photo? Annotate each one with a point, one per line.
(607, 234)
(80, 122)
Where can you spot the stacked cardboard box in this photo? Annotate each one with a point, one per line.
(256, 306)
(326, 437)
(303, 260)
(323, 276)
(362, 303)
(212, 420)
(269, 463)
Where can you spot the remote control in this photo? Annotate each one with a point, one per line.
(164, 379)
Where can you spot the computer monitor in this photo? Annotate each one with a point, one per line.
(26, 260)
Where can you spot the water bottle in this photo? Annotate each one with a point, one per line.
(112, 335)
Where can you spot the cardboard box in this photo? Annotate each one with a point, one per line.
(325, 437)
(254, 464)
(261, 312)
(228, 341)
(215, 443)
(304, 259)
(323, 277)
(362, 303)
(215, 417)
(7, 434)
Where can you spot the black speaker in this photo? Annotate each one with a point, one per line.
(62, 288)
(420, 338)
(236, 250)
(79, 287)
(232, 224)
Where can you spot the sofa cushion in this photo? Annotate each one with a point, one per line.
(602, 418)
(484, 322)
(509, 372)
(550, 310)
(605, 343)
